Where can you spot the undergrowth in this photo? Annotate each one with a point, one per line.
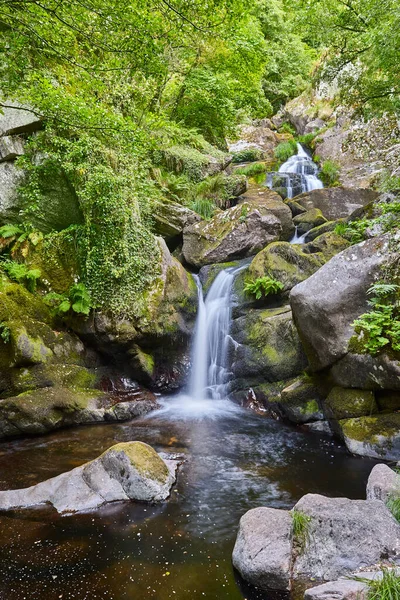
(263, 286)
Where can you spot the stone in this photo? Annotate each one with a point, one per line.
(126, 471)
(266, 344)
(328, 244)
(17, 118)
(314, 126)
(262, 552)
(295, 207)
(342, 589)
(366, 371)
(263, 196)
(10, 148)
(345, 403)
(11, 177)
(232, 234)
(288, 263)
(326, 304)
(319, 427)
(196, 163)
(170, 218)
(383, 483)
(344, 535)
(300, 401)
(257, 135)
(309, 220)
(377, 436)
(317, 231)
(336, 202)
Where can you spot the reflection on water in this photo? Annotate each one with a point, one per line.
(182, 548)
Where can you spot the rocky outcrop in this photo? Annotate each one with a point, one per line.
(263, 548)
(383, 483)
(126, 471)
(195, 163)
(336, 202)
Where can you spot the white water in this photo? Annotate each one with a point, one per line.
(300, 164)
(298, 239)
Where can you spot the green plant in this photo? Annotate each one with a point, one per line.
(204, 207)
(5, 332)
(329, 173)
(243, 213)
(285, 150)
(263, 286)
(20, 233)
(247, 155)
(287, 128)
(300, 527)
(250, 170)
(386, 588)
(393, 504)
(78, 300)
(22, 274)
(388, 183)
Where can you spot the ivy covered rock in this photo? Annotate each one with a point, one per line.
(266, 345)
(232, 234)
(376, 436)
(126, 471)
(195, 163)
(309, 220)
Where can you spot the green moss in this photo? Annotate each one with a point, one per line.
(144, 459)
(372, 429)
(310, 408)
(344, 403)
(190, 161)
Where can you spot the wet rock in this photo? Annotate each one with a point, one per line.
(344, 535)
(262, 552)
(266, 344)
(235, 233)
(343, 403)
(309, 220)
(336, 202)
(377, 436)
(326, 304)
(126, 471)
(383, 483)
(319, 427)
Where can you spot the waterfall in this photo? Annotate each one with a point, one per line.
(297, 175)
(298, 239)
(210, 371)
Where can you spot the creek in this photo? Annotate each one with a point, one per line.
(181, 549)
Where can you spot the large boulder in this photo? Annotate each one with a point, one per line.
(336, 202)
(326, 304)
(235, 233)
(266, 345)
(383, 483)
(377, 436)
(344, 535)
(170, 218)
(312, 218)
(261, 195)
(263, 548)
(126, 471)
(17, 118)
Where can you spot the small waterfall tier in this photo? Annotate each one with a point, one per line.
(210, 371)
(297, 175)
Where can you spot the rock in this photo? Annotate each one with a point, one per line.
(342, 589)
(170, 218)
(336, 202)
(308, 220)
(344, 535)
(344, 403)
(326, 304)
(235, 233)
(377, 436)
(196, 164)
(295, 207)
(263, 196)
(319, 427)
(366, 371)
(266, 345)
(262, 552)
(17, 118)
(208, 274)
(126, 471)
(300, 401)
(258, 136)
(288, 263)
(328, 244)
(314, 126)
(10, 179)
(10, 148)
(383, 483)
(317, 231)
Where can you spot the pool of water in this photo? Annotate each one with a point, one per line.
(181, 549)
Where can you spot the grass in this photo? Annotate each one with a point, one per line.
(204, 207)
(329, 173)
(285, 150)
(251, 170)
(301, 528)
(393, 504)
(247, 155)
(387, 588)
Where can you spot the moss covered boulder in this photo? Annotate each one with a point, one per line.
(195, 163)
(345, 403)
(309, 220)
(126, 471)
(300, 402)
(336, 202)
(266, 345)
(377, 436)
(328, 244)
(324, 228)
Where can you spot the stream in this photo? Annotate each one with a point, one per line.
(234, 460)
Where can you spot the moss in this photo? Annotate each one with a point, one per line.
(210, 272)
(309, 220)
(372, 430)
(192, 162)
(16, 303)
(27, 349)
(344, 403)
(144, 459)
(329, 244)
(310, 408)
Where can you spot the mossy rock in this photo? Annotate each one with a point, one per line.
(73, 377)
(288, 263)
(294, 206)
(329, 244)
(195, 164)
(143, 458)
(209, 273)
(346, 403)
(28, 346)
(377, 436)
(17, 304)
(325, 228)
(309, 220)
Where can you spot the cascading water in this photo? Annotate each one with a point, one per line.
(297, 175)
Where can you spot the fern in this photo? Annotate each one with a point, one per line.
(263, 286)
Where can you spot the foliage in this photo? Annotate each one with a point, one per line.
(5, 332)
(251, 170)
(386, 588)
(379, 328)
(263, 286)
(78, 300)
(388, 183)
(393, 504)
(300, 527)
(285, 150)
(287, 128)
(20, 273)
(247, 155)
(204, 207)
(329, 173)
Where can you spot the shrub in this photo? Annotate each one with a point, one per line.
(387, 183)
(285, 150)
(5, 332)
(287, 128)
(251, 170)
(263, 286)
(247, 155)
(329, 173)
(393, 504)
